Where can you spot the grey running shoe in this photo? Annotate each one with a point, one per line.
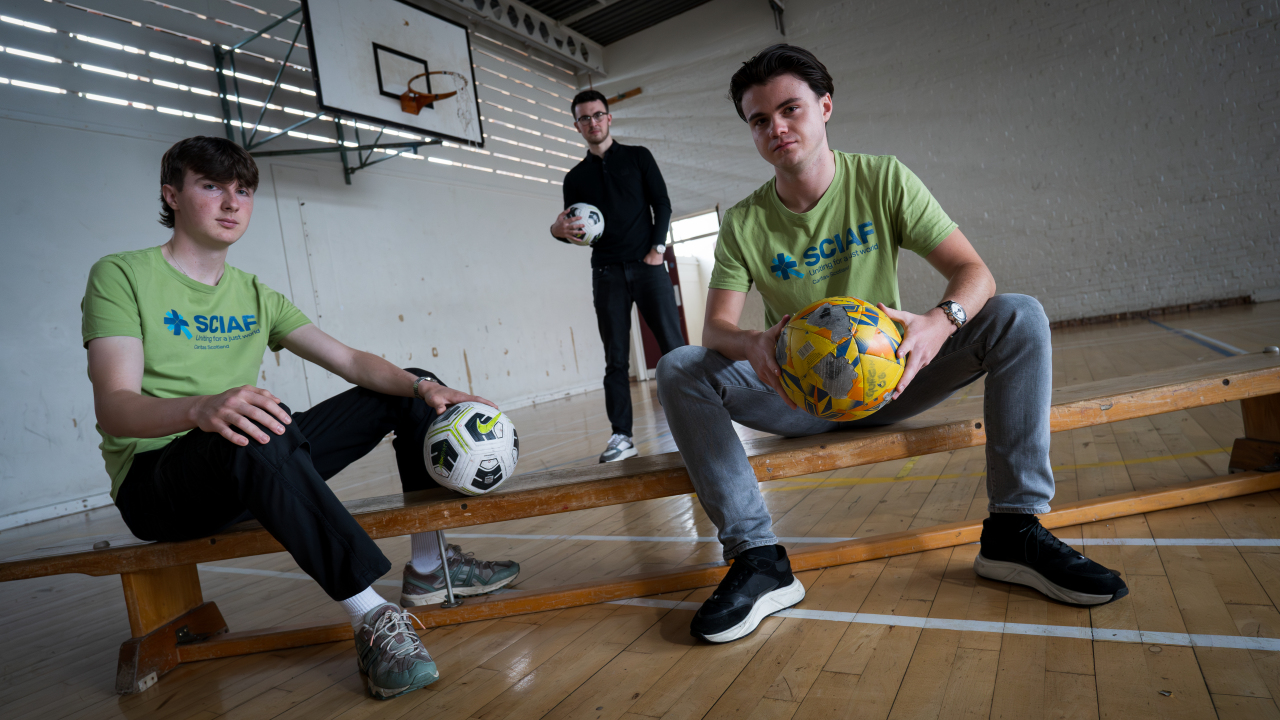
(391, 657)
(620, 448)
(469, 576)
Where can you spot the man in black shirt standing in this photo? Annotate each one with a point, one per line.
(626, 262)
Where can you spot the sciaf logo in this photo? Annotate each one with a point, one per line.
(175, 322)
(783, 266)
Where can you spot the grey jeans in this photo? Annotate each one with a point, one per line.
(702, 391)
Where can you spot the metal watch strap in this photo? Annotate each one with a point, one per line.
(418, 382)
(946, 306)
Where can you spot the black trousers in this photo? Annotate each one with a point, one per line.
(201, 483)
(614, 288)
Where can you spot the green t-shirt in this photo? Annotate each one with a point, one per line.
(197, 339)
(846, 245)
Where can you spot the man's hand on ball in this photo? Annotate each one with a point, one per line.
(761, 355)
(239, 408)
(653, 258)
(567, 227)
(922, 337)
(438, 397)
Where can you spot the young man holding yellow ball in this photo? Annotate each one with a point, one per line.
(832, 223)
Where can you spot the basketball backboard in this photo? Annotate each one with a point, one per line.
(365, 52)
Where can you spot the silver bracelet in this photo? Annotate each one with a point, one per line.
(418, 382)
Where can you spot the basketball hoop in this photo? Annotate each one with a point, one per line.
(412, 101)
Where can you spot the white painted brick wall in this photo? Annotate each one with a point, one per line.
(1102, 156)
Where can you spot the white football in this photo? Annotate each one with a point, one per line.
(592, 223)
(471, 448)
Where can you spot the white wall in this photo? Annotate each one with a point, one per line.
(1104, 157)
(435, 266)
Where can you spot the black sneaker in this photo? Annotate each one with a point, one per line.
(759, 584)
(1018, 549)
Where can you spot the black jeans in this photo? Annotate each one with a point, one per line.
(614, 288)
(201, 483)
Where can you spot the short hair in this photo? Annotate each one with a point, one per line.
(218, 159)
(775, 60)
(587, 96)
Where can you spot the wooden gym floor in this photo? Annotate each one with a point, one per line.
(1198, 636)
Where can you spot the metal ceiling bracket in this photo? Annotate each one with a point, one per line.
(777, 7)
(517, 20)
(226, 56)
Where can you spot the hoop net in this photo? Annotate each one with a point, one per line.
(464, 102)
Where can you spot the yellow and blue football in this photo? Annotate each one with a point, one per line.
(838, 358)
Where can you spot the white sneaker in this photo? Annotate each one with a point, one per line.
(620, 448)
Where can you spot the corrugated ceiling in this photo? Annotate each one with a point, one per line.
(612, 22)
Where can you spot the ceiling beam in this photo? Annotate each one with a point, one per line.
(600, 5)
(537, 30)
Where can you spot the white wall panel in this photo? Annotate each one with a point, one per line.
(1104, 157)
(463, 255)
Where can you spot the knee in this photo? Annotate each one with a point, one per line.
(679, 361)
(679, 367)
(276, 447)
(1022, 314)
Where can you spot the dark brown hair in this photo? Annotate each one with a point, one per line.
(587, 96)
(218, 159)
(777, 60)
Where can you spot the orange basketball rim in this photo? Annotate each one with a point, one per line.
(412, 101)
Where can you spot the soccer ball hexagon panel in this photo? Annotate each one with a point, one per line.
(471, 448)
(592, 223)
(838, 359)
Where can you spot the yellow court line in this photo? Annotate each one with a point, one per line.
(906, 468)
(807, 484)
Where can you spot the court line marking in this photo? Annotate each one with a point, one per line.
(1203, 340)
(803, 483)
(632, 538)
(1090, 542)
(634, 441)
(275, 574)
(1206, 338)
(1004, 628)
(1133, 336)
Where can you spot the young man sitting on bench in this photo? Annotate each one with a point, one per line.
(175, 338)
(873, 205)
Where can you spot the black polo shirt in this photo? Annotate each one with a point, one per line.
(628, 188)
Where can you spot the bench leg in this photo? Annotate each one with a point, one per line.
(166, 610)
(1259, 449)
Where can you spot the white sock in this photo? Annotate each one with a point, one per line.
(426, 552)
(360, 603)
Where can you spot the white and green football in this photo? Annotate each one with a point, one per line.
(592, 223)
(471, 448)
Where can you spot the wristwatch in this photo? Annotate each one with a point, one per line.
(954, 312)
(660, 248)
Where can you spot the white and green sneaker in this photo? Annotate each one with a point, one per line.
(391, 657)
(468, 575)
(620, 447)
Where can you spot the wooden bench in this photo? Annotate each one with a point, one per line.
(171, 624)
